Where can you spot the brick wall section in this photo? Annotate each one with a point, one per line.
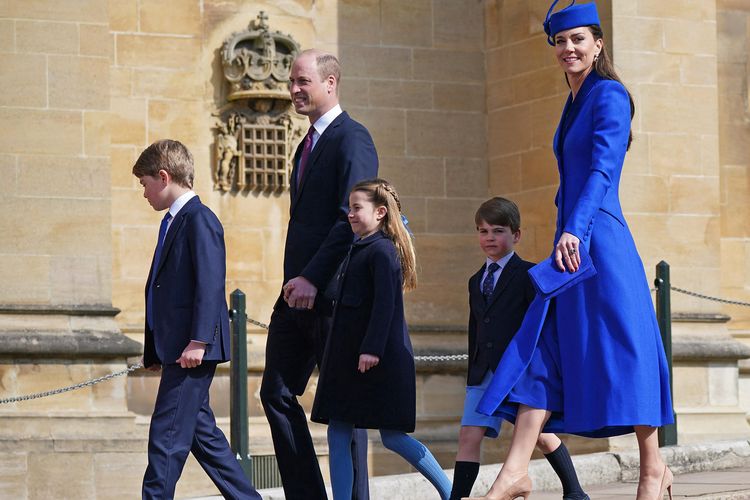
(54, 153)
(526, 91)
(166, 83)
(414, 74)
(157, 90)
(666, 53)
(733, 27)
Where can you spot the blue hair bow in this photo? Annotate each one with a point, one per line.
(405, 221)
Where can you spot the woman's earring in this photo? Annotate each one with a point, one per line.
(596, 57)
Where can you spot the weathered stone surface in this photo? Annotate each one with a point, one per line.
(7, 35)
(22, 129)
(458, 24)
(459, 97)
(46, 37)
(426, 134)
(23, 80)
(123, 15)
(406, 23)
(156, 51)
(57, 344)
(170, 16)
(75, 10)
(449, 65)
(414, 176)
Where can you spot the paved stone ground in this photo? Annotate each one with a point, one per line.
(707, 471)
(714, 485)
(729, 484)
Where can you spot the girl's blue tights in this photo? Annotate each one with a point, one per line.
(414, 452)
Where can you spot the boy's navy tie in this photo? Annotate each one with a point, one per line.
(306, 149)
(157, 255)
(488, 285)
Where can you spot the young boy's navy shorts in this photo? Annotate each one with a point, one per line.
(471, 417)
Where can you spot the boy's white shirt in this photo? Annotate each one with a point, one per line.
(177, 205)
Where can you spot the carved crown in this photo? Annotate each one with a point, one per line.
(257, 62)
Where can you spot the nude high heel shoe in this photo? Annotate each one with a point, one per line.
(521, 488)
(666, 483)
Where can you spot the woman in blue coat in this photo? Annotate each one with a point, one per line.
(590, 360)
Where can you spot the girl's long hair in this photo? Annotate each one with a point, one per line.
(604, 68)
(381, 193)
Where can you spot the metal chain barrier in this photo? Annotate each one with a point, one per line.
(434, 357)
(709, 297)
(61, 390)
(426, 358)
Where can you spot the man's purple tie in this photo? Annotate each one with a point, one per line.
(306, 149)
(488, 285)
(157, 255)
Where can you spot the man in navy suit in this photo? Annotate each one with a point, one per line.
(187, 328)
(336, 153)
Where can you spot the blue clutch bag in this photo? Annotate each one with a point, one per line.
(550, 281)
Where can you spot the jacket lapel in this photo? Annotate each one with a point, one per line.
(323, 141)
(475, 290)
(174, 228)
(505, 276)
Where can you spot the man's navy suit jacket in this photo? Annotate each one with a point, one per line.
(493, 322)
(319, 234)
(189, 297)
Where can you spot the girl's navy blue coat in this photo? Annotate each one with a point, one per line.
(368, 318)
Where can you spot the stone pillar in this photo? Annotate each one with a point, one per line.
(666, 53)
(733, 28)
(56, 317)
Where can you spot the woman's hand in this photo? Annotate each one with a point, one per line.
(566, 253)
(367, 361)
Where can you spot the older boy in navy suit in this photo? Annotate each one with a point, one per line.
(187, 328)
(499, 295)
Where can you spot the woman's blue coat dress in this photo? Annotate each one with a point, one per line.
(592, 355)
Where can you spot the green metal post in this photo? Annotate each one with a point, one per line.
(667, 433)
(238, 435)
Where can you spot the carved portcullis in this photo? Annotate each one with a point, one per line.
(255, 132)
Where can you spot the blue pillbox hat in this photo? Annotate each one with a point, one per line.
(571, 16)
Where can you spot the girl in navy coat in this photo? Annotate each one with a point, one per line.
(367, 377)
(597, 367)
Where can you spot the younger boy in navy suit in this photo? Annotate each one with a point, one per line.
(187, 328)
(499, 295)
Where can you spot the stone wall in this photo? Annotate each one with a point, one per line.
(414, 74)
(54, 153)
(733, 28)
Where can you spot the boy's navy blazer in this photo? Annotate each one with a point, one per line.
(493, 323)
(319, 234)
(189, 297)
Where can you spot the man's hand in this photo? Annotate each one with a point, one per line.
(192, 356)
(300, 293)
(367, 361)
(152, 368)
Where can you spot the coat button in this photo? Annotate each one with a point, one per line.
(486, 320)
(158, 285)
(489, 345)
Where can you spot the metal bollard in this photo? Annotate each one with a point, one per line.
(667, 433)
(238, 432)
